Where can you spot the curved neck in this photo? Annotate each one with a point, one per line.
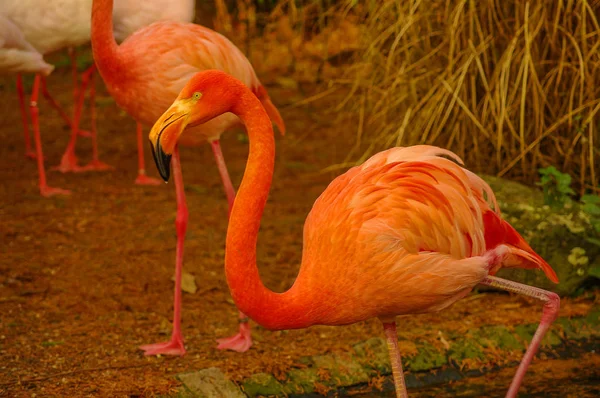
(107, 57)
(269, 309)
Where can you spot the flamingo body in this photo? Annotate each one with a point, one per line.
(17, 55)
(412, 229)
(50, 25)
(406, 232)
(131, 15)
(156, 71)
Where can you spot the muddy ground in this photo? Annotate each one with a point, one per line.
(86, 279)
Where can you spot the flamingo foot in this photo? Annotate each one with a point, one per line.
(68, 163)
(96, 165)
(143, 179)
(173, 347)
(241, 342)
(47, 191)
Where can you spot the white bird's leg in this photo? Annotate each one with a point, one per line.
(242, 341)
(391, 336)
(95, 164)
(73, 57)
(549, 314)
(68, 161)
(45, 190)
(142, 178)
(28, 151)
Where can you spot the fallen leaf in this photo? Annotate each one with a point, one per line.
(188, 282)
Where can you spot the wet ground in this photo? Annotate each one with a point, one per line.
(85, 279)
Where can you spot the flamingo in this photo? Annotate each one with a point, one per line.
(144, 75)
(52, 25)
(406, 232)
(128, 17)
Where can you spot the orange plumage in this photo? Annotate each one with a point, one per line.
(407, 232)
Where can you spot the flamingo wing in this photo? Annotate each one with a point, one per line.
(412, 229)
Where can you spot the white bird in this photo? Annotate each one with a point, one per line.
(48, 26)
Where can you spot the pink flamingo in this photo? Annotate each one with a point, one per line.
(144, 74)
(52, 25)
(128, 17)
(406, 232)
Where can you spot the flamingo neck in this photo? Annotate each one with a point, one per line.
(269, 309)
(107, 57)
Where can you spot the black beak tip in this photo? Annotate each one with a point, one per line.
(162, 160)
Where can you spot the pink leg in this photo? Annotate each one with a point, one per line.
(45, 190)
(391, 336)
(68, 161)
(549, 314)
(142, 178)
(59, 109)
(28, 151)
(175, 345)
(95, 164)
(73, 58)
(242, 341)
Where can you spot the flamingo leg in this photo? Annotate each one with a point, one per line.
(68, 161)
(175, 345)
(28, 151)
(142, 178)
(59, 109)
(45, 190)
(549, 314)
(242, 341)
(95, 164)
(73, 57)
(391, 336)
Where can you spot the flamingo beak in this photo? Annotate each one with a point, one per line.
(165, 133)
(162, 161)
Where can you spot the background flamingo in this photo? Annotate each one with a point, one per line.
(144, 75)
(407, 232)
(128, 17)
(51, 26)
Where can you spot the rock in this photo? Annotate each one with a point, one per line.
(210, 383)
(558, 236)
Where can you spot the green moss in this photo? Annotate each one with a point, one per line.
(301, 381)
(344, 370)
(262, 384)
(427, 358)
(373, 355)
(497, 337)
(465, 349)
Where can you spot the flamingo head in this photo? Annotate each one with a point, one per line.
(207, 95)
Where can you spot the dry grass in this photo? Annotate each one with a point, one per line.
(510, 85)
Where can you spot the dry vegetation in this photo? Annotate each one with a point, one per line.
(511, 86)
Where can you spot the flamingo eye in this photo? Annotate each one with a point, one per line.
(197, 95)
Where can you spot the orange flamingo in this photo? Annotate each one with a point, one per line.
(144, 75)
(406, 232)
